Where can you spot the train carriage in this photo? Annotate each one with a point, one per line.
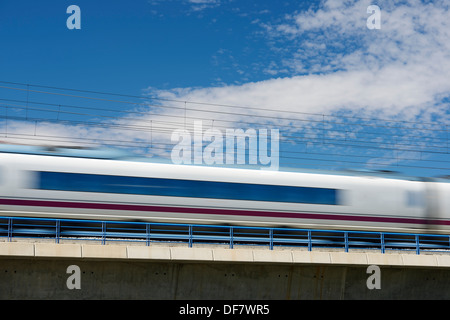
(91, 186)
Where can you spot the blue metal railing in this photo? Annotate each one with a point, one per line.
(231, 236)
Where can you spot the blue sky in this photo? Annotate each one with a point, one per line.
(340, 94)
(126, 46)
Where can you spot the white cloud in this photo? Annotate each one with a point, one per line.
(199, 5)
(341, 64)
(338, 66)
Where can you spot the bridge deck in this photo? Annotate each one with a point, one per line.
(30, 249)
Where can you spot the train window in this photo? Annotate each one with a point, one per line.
(64, 181)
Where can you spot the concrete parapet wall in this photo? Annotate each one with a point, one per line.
(213, 254)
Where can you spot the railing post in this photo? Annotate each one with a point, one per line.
(58, 230)
(346, 241)
(271, 239)
(190, 236)
(10, 229)
(417, 244)
(231, 237)
(148, 230)
(309, 241)
(103, 232)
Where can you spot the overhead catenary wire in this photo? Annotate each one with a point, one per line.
(175, 116)
(250, 123)
(197, 102)
(260, 116)
(297, 139)
(142, 127)
(326, 138)
(335, 130)
(322, 116)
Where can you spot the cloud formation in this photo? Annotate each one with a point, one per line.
(336, 63)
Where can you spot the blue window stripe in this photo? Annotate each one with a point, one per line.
(64, 181)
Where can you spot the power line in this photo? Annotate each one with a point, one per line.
(191, 102)
(59, 111)
(337, 132)
(294, 138)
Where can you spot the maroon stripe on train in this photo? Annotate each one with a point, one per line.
(254, 213)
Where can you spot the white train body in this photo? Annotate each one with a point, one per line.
(82, 188)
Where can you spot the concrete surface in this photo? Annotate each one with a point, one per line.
(39, 278)
(214, 254)
(39, 271)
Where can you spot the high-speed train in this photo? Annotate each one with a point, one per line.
(63, 185)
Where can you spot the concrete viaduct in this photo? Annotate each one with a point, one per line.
(31, 269)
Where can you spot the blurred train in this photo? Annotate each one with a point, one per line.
(67, 183)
